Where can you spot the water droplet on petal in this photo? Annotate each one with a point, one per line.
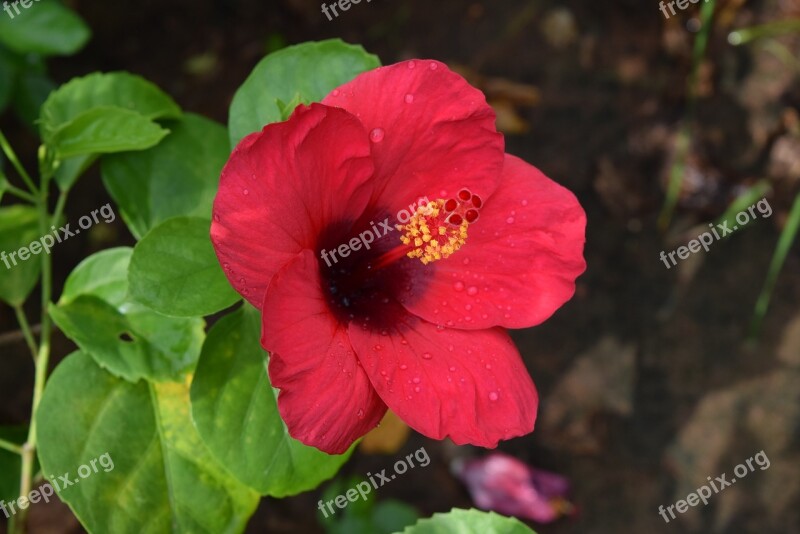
(427, 356)
(493, 396)
(403, 367)
(409, 98)
(417, 389)
(434, 66)
(216, 218)
(361, 414)
(452, 369)
(510, 220)
(489, 366)
(377, 135)
(524, 202)
(466, 262)
(335, 92)
(472, 291)
(468, 307)
(378, 347)
(458, 286)
(246, 192)
(416, 380)
(412, 64)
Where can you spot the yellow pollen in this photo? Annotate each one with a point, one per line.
(431, 246)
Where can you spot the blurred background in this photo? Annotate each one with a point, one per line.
(651, 379)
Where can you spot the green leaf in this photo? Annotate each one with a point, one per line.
(163, 477)
(364, 516)
(45, 27)
(237, 416)
(386, 517)
(103, 275)
(468, 522)
(392, 516)
(287, 108)
(19, 226)
(308, 72)
(179, 176)
(10, 463)
(123, 336)
(106, 130)
(175, 271)
(117, 90)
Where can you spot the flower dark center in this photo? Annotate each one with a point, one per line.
(359, 282)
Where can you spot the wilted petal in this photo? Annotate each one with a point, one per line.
(508, 486)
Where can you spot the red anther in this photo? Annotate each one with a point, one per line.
(450, 205)
(455, 219)
(471, 216)
(476, 201)
(465, 194)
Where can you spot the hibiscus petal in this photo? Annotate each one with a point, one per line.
(506, 485)
(432, 133)
(469, 385)
(284, 186)
(326, 398)
(519, 264)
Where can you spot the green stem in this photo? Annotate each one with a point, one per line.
(10, 447)
(42, 362)
(12, 157)
(26, 331)
(678, 170)
(770, 29)
(19, 193)
(59, 211)
(785, 242)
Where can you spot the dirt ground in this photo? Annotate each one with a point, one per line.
(648, 382)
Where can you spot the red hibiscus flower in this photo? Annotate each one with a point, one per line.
(371, 298)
